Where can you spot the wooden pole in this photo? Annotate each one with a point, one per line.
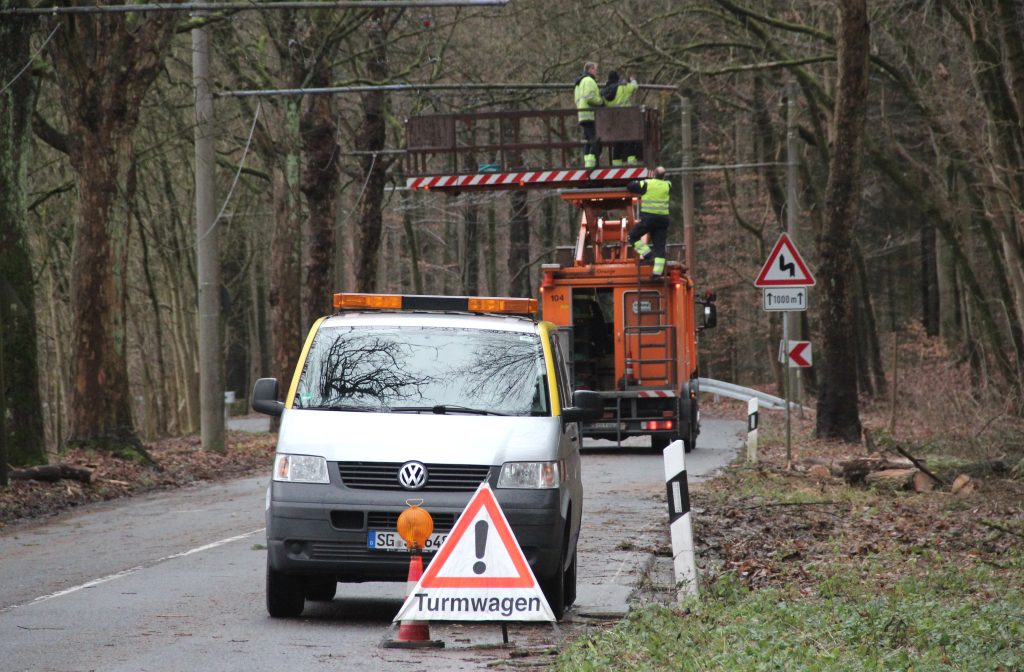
(687, 182)
(211, 370)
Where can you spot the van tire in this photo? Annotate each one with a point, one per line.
(554, 586)
(570, 582)
(285, 595)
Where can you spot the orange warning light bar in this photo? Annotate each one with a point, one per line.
(370, 301)
(494, 305)
(483, 304)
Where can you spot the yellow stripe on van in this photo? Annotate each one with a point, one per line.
(302, 363)
(549, 358)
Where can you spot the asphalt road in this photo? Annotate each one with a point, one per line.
(175, 581)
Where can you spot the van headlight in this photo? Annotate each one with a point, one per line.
(300, 469)
(530, 475)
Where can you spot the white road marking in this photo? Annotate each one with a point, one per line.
(131, 570)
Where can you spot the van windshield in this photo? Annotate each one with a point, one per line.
(424, 369)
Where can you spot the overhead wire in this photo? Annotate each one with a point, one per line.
(32, 58)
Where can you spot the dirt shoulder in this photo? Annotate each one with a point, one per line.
(179, 461)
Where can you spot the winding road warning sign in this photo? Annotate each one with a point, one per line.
(479, 573)
(785, 267)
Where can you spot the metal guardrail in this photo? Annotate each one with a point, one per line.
(744, 394)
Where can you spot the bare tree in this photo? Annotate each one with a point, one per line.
(21, 423)
(104, 65)
(838, 415)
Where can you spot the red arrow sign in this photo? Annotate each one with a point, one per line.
(799, 354)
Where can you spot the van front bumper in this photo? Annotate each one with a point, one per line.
(315, 529)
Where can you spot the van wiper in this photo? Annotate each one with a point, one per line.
(347, 407)
(442, 409)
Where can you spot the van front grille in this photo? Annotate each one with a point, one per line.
(388, 520)
(440, 477)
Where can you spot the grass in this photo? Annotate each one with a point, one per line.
(811, 573)
(949, 619)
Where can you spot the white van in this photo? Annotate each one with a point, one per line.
(397, 399)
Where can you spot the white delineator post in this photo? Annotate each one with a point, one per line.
(678, 495)
(752, 419)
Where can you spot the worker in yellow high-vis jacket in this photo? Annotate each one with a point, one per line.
(587, 95)
(654, 218)
(618, 93)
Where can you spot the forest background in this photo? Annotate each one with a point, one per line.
(97, 260)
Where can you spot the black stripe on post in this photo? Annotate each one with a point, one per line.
(678, 495)
(752, 420)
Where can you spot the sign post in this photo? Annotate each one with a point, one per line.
(785, 280)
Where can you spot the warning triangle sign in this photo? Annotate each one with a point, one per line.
(785, 267)
(479, 573)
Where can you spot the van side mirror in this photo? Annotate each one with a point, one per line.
(586, 405)
(264, 397)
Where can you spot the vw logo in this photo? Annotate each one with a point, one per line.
(412, 475)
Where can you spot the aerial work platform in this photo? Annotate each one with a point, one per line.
(523, 149)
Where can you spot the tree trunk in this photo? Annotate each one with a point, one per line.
(949, 306)
(320, 174)
(285, 281)
(930, 305)
(372, 138)
(21, 422)
(471, 257)
(519, 246)
(870, 348)
(838, 415)
(104, 65)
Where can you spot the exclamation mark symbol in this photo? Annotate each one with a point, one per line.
(481, 543)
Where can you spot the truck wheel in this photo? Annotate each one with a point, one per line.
(285, 596)
(320, 588)
(687, 424)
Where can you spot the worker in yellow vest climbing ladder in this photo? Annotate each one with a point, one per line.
(653, 218)
(587, 95)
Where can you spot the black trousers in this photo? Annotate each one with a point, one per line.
(591, 145)
(657, 226)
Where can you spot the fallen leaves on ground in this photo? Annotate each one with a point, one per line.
(180, 461)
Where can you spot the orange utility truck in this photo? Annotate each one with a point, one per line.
(633, 339)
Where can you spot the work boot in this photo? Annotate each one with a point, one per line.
(659, 266)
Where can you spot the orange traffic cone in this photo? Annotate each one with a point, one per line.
(413, 634)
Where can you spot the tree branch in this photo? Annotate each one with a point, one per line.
(48, 134)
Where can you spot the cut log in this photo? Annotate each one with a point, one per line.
(923, 482)
(819, 471)
(891, 479)
(962, 485)
(856, 470)
(51, 473)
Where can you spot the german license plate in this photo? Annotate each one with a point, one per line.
(389, 540)
(606, 425)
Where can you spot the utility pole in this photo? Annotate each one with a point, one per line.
(792, 208)
(687, 178)
(211, 372)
